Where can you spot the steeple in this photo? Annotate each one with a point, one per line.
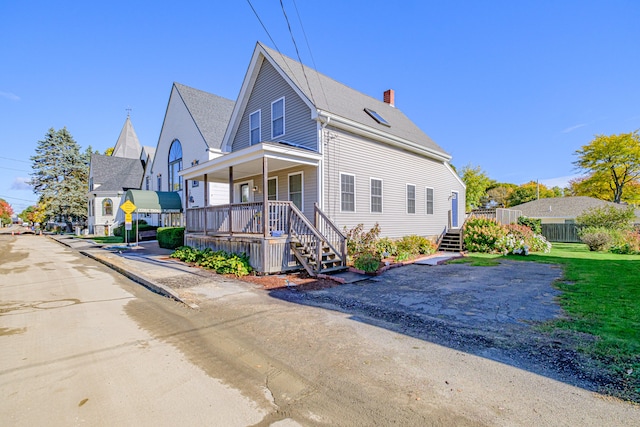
(128, 145)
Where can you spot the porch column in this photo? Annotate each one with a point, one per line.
(265, 196)
(230, 200)
(183, 219)
(206, 202)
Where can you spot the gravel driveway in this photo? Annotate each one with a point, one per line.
(487, 311)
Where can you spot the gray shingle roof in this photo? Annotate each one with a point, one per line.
(211, 113)
(115, 173)
(561, 207)
(127, 145)
(336, 98)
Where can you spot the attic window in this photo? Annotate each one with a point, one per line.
(377, 117)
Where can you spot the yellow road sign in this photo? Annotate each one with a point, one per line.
(128, 217)
(128, 207)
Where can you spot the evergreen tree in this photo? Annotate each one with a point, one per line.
(60, 176)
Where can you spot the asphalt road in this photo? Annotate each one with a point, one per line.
(79, 345)
(70, 355)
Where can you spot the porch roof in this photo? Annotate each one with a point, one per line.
(248, 162)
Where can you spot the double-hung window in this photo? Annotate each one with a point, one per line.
(277, 118)
(254, 127)
(429, 198)
(272, 188)
(411, 198)
(376, 195)
(347, 192)
(295, 189)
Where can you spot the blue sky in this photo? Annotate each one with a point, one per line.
(514, 87)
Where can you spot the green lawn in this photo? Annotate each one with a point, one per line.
(601, 296)
(105, 239)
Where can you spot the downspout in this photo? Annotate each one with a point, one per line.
(321, 172)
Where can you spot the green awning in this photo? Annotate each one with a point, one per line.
(154, 201)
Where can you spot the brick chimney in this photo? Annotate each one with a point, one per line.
(389, 97)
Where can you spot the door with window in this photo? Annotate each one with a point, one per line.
(454, 209)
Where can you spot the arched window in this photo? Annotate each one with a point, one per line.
(175, 166)
(107, 207)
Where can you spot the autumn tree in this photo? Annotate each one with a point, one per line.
(60, 175)
(477, 183)
(6, 211)
(498, 195)
(532, 190)
(611, 161)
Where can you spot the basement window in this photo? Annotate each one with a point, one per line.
(377, 117)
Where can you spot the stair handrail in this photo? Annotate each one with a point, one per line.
(322, 221)
(300, 226)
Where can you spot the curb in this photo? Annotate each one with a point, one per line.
(152, 286)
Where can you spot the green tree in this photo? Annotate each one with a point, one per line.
(612, 159)
(477, 183)
(608, 217)
(498, 195)
(528, 192)
(60, 176)
(6, 211)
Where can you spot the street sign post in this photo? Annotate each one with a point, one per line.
(128, 207)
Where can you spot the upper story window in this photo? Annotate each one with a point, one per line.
(147, 182)
(254, 127)
(277, 118)
(91, 184)
(107, 207)
(175, 166)
(159, 182)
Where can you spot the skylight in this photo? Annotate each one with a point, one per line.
(377, 117)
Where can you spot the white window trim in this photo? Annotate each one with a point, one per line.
(283, 118)
(301, 173)
(354, 192)
(267, 191)
(259, 112)
(381, 195)
(426, 200)
(406, 199)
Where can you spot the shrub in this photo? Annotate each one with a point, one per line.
(131, 234)
(220, 261)
(367, 262)
(597, 238)
(535, 224)
(481, 234)
(386, 247)
(359, 241)
(170, 237)
(608, 216)
(628, 243)
(402, 256)
(416, 245)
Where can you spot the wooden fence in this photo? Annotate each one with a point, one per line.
(565, 233)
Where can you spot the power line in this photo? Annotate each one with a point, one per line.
(313, 61)
(274, 43)
(14, 160)
(295, 45)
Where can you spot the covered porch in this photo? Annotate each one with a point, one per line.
(278, 233)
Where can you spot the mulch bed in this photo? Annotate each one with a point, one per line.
(300, 281)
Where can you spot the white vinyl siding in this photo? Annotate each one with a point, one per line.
(277, 118)
(411, 198)
(296, 187)
(429, 200)
(376, 195)
(366, 159)
(254, 128)
(347, 192)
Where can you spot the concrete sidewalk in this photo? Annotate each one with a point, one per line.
(150, 265)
